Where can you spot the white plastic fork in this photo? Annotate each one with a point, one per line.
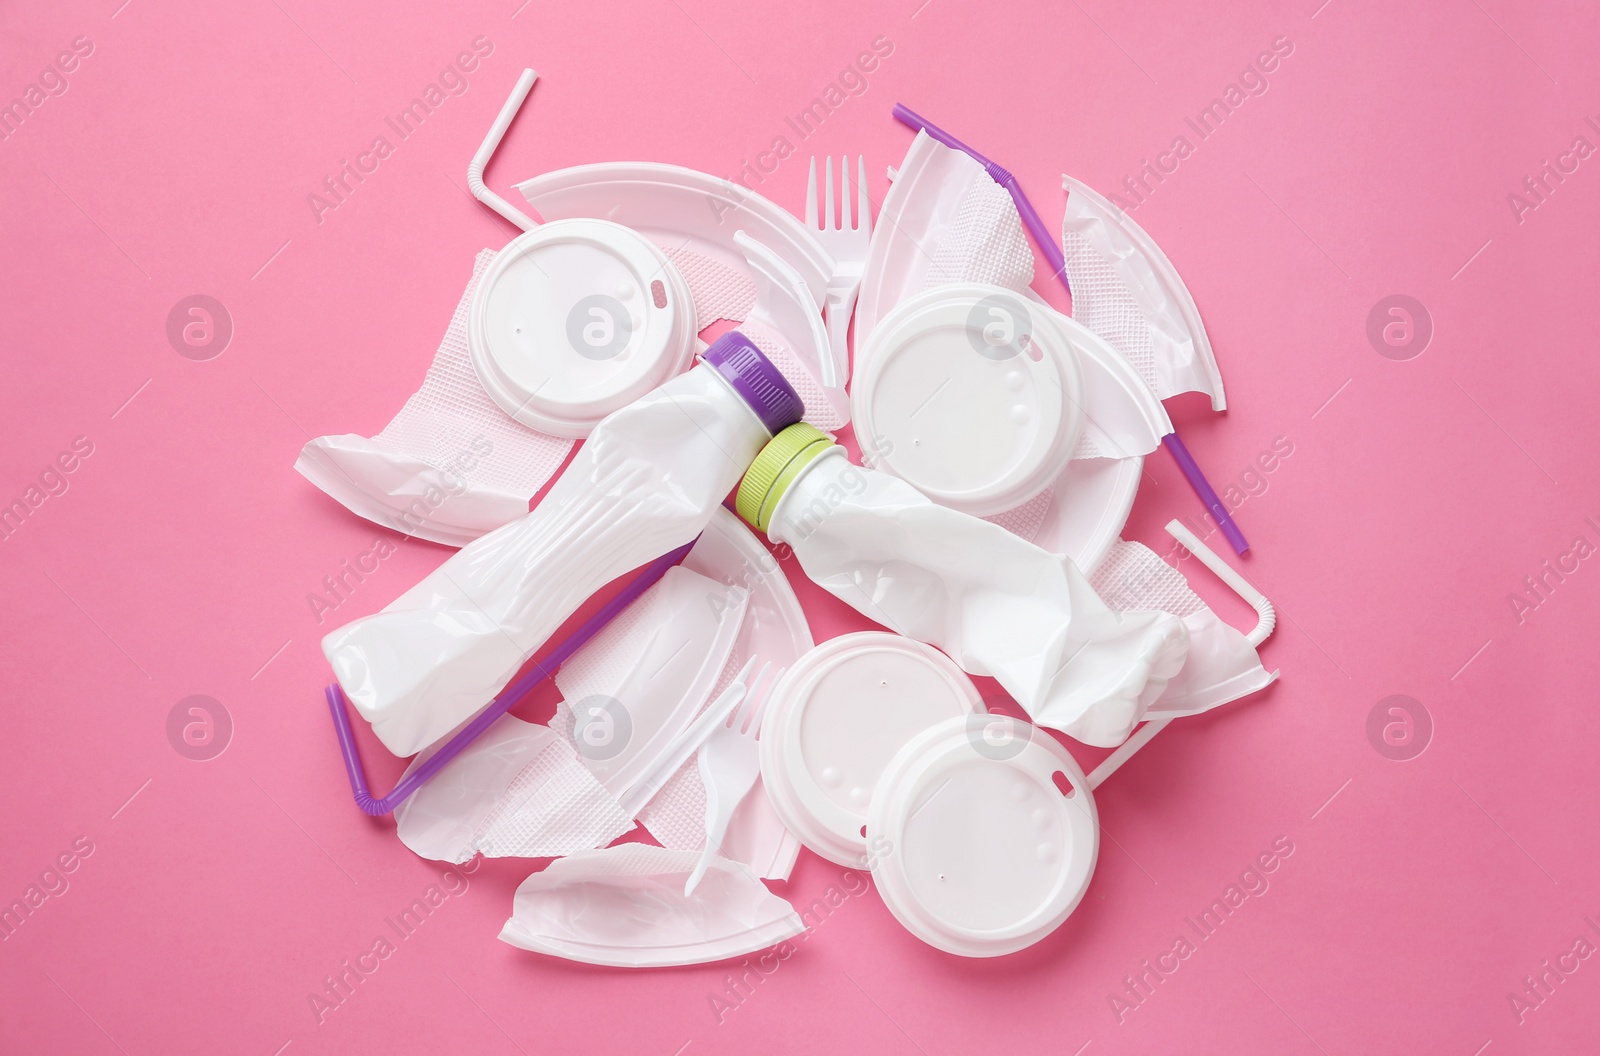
(687, 743)
(729, 766)
(847, 242)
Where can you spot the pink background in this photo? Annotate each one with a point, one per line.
(1418, 496)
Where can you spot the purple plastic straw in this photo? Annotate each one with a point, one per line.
(501, 704)
(1202, 487)
(1052, 254)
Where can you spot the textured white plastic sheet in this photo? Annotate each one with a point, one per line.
(518, 791)
(1126, 290)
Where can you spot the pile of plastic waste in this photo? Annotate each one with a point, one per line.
(1000, 443)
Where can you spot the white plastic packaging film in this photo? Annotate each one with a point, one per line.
(996, 604)
(1126, 290)
(648, 480)
(518, 791)
(625, 907)
(451, 465)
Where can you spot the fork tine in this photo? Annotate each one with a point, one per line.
(747, 706)
(811, 197)
(828, 223)
(863, 206)
(761, 705)
(844, 193)
(742, 678)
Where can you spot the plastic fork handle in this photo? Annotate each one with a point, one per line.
(634, 798)
(1030, 216)
(726, 802)
(501, 704)
(720, 806)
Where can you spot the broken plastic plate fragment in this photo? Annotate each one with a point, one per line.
(788, 320)
(637, 685)
(624, 906)
(1127, 290)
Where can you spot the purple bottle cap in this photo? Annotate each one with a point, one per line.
(756, 380)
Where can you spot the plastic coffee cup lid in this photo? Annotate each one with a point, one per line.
(837, 718)
(979, 851)
(576, 319)
(970, 397)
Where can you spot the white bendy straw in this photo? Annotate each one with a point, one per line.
(486, 150)
(1266, 620)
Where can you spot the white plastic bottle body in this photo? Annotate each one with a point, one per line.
(997, 604)
(647, 481)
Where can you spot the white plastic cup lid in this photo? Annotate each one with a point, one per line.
(979, 851)
(836, 719)
(970, 397)
(576, 319)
